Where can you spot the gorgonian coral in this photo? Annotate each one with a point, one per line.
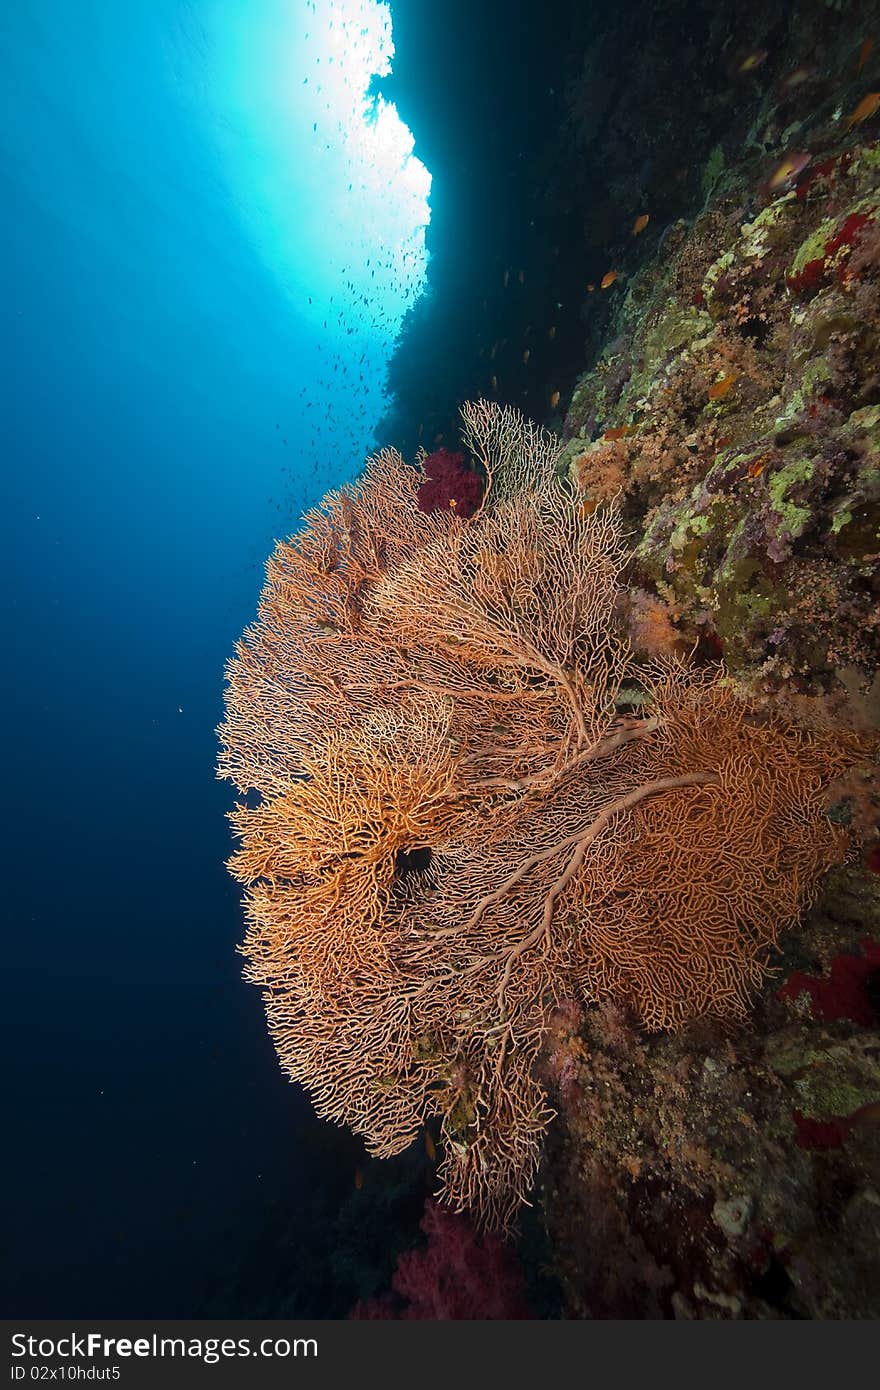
(467, 816)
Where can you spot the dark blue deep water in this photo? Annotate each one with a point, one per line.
(153, 365)
(210, 239)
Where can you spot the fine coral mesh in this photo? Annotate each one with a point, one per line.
(457, 828)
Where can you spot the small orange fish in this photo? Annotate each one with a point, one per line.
(526, 355)
(551, 333)
(608, 279)
(641, 223)
(754, 60)
(554, 400)
(796, 78)
(430, 1148)
(757, 466)
(619, 432)
(452, 503)
(865, 52)
(721, 388)
(865, 110)
(792, 165)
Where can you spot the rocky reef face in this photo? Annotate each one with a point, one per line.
(737, 414)
(677, 269)
(717, 1175)
(733, 409)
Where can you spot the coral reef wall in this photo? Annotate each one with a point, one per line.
(730, 399)
(688, 295)
(737, 411)
(440, 724)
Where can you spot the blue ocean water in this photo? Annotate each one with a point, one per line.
(162, 375)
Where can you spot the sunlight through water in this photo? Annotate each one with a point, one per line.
(322, 174)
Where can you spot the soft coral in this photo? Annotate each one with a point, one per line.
(449, 483)
(457, 1275)
(845, 993)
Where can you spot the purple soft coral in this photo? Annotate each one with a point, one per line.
(457, 1275)
(449, 483)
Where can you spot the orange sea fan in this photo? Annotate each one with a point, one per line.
(457, 828)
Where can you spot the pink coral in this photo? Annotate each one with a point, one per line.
(818, 1134)
(456, 1276)
(844, 994)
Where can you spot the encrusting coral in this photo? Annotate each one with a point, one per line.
(736, 415)
(474, 804)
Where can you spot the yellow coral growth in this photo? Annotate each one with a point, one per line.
(460, 824)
